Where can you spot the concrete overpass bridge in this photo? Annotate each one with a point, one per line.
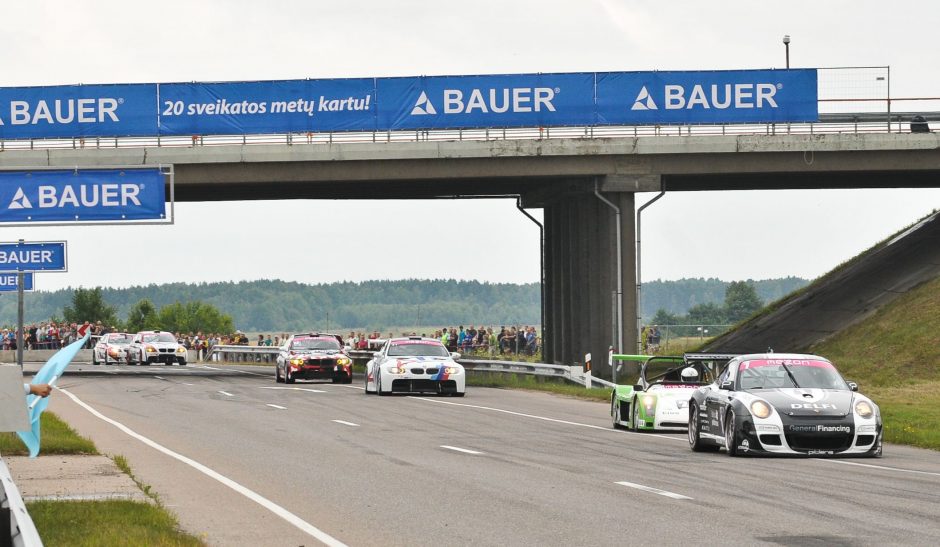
(578, 179)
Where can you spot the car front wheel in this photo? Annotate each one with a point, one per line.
(731, 434)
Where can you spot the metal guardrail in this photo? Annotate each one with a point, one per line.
(222, 353)
(16, 526)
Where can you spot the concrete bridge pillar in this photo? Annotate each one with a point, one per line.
(581, 278)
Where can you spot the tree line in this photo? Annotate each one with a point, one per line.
(274, 305)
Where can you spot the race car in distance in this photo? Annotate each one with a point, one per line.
(151, 346)
(111, 347)
(415, 365)
(659, 400)
(790, 404)
(313, 356)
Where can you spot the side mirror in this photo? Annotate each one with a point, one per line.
(638, 387)
(727, 385)
(454, 355)
(853, 386)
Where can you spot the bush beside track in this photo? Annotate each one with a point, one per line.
(894, 357)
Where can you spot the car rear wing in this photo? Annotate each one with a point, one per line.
(709, 356)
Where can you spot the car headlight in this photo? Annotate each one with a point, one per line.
(181, 349)
(342, 361)
(864, 409)
(451, 370)
(761, 409)
(297, 362)
(151, 349)
(649, 401)
(396, 370)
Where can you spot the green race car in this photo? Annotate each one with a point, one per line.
(659, 400)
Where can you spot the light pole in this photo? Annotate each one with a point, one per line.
(786, 44)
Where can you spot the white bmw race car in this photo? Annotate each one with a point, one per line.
(415, 365)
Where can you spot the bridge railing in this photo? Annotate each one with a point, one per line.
(16, 526)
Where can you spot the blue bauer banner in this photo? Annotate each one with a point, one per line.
(8, 282)
(732, 96)
(46, 256)
(291, 106)
(110, 110)
(82, 195)
(511, 100)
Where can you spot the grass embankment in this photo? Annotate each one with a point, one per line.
(93, 523)
(895, 358)
(56, 438)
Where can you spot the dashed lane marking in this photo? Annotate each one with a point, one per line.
(226, 393)
(235, 370)
(884, 467)
(293, 519)
(344, 422)
(666, 493)
(463, 450)
(279, 407)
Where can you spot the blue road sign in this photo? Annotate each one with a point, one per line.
(46, 256)
(8, 282)
(82, 195)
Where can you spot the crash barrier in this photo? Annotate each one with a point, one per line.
(572, 374)
(16, 526)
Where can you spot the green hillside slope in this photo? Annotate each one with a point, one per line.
(894, 355)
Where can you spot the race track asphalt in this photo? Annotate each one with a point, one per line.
(497, 467)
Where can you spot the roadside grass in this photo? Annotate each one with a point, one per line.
(911, 414)
(112, 522)
(57, 437)
(535, 383)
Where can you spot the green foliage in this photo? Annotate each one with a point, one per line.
(89, 305)
(57, 438)
(741, 301)
(109, 522)
(194, 317)
(142, 316)
(677, 297)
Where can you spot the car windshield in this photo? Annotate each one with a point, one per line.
(790, 373)
(318, 343)
(417, 348)
(119, 339)
(676, 371)
(159, 337)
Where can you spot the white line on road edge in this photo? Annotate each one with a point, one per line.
(547, 419)
(464, 450)
(886, 468)
(235, 370)
(344, 422)
(296, 389)
(277, 406)
(666, 493)
(226, 393)
(293, 519)
(160, 378)
(352, 387)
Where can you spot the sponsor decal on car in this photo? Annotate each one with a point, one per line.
(813, 406)
(820, 428)
(415, 342)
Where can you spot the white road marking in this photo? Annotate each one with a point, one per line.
(160, 378)
(534, 417)
(464, 450)
(293, 519)
(296, 389)
(226, 393)
(666, 493)
(884, 467)
(185, 384)
(351, 387)
(344, 422)
(235, 370)
(277, 406)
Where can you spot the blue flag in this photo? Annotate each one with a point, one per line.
(48, 374)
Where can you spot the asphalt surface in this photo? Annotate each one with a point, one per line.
(497, 467)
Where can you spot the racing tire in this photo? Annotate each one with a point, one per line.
(287, 377)
(695, 438)
(731, 434)
(615, 414)
(277, 375)
(458, 394)
(129, 360)
(378, 386)
(94, 358)
(878, 450)
(636, 417)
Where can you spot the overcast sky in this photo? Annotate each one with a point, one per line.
(686, 235)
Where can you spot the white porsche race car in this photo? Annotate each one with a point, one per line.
(415, 365)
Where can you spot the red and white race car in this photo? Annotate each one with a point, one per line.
(111, 348)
